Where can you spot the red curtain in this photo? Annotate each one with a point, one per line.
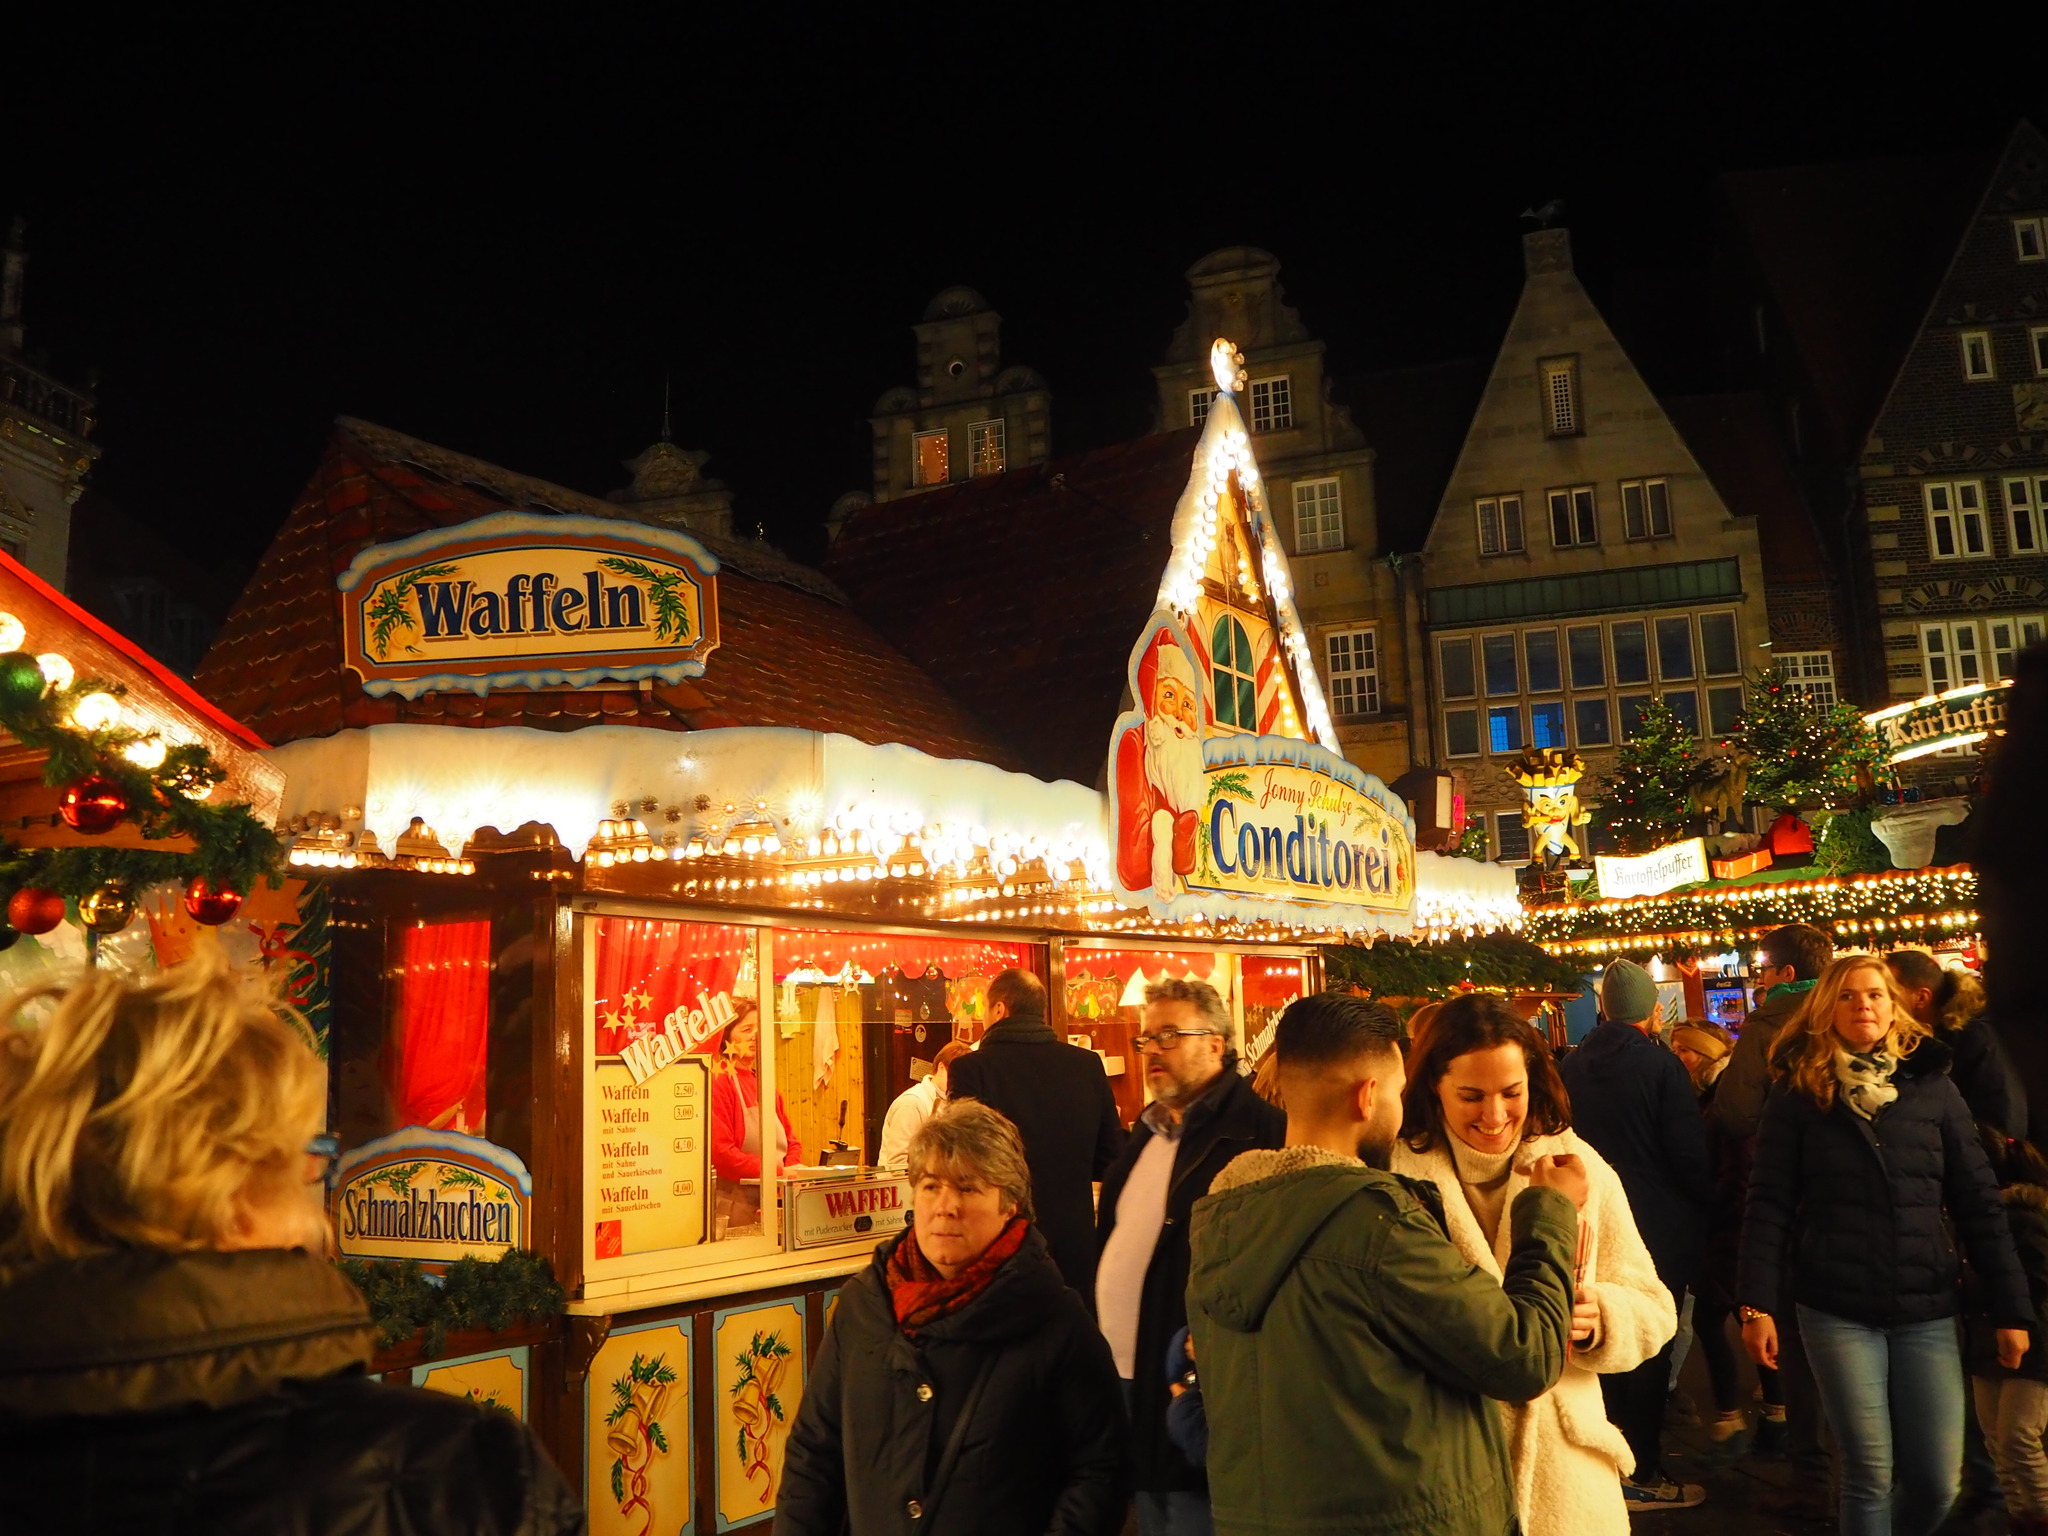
(1273, 983)
(1120, 963)
(649, 967)
(444, 1025)
(911, 954)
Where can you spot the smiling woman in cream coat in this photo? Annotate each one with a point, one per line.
(1483, 1100)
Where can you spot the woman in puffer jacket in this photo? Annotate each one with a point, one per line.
(1865, 1157)
(1483, 1101)
(176, 1353)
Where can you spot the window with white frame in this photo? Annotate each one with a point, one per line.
(928, 457)
(985, 447)
(1318, 516)
(1977, 363)
(1646, 509)
(2030, 239)
(1951, 656)
(2024, 498)
(1354, 672)
(1809, 672)
(1272, 404)
(1572, 517)
(1500, 524)
(1199, 401)
(1561, 416)
(2037, 348)
(1956, 528)
(2009, 635)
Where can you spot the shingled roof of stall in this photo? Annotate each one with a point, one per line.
(792, 653)
(1024, 592)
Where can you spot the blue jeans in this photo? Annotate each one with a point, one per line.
(1171, 1514)
(1894, 1399)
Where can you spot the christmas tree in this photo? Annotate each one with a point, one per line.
(1643, 802)
(1802, 751)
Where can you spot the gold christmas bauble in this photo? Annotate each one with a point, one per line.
(108, 909)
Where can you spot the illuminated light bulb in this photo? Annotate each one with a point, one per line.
(13, 634)
(771, 844)
(56, 670)
(148, 753)
(640, 855)
(196, 791)
(731, 847)
(751, 843)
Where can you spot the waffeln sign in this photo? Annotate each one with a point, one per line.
(434, 1196)
(522, 599)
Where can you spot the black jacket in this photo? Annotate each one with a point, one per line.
(1059, 1099)
(2026, 1212)
(1852, 1210)
(1739, 1091)
(1043, 1453)
(1984, 1075)
(1632, 1100)
(224, 1392)
(1225, 1121)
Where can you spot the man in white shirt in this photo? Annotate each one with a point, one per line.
(1203, 1113)
(915, 1105)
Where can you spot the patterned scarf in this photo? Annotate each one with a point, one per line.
(1866, 1079)
(922, 1295)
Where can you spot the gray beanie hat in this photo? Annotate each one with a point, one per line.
(1627, 994)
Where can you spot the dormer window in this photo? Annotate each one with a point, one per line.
(928, 457)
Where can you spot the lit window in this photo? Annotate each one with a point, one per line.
(1646, 509)
(1272, 404)
(1956, 529)
(1810, 672)
(1354, 672)
(985, 448)
(1318, 516)
(1724, 710)
(1461, 732)
(1546, 725)
(2037, 348)
(1504, 728)
(1572, 517)
(1717, 645)
(1502, 673)
(1454, 658)
(1589, 661)
(1590, 719)
(1685, 704)
(928, 457)
(1631, 653)
(1977, 355)
(1500, 525)
(2025, 503)
(2027, 239)
(1199, 401)
(1237, 688)
(1951, 656)
(1674, 650)
(1511, 837)
(1561, 397)
(1539, 656)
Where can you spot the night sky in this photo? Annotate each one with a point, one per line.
(500, 234)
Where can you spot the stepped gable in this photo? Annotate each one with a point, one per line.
(791, 653)
(1020, 592)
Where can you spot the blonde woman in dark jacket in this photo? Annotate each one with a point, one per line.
(1865, 1156)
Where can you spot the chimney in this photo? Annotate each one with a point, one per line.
(1547, 250)
(12, 260)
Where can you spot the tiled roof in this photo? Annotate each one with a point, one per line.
(790, 653)
(1416, 420)
(1851, 255)
(1735, 443)
(1024, 592)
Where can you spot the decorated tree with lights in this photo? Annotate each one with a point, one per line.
(1804, 752)
(1644, 801)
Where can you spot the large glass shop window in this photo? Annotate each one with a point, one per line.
(1105, 998)
(861, 1017)
(1270, 984)
(436, 1053)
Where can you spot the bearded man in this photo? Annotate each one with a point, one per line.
(1160, 779)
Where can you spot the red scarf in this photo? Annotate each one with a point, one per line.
(922, 1295)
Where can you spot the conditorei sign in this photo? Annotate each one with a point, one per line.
(524, 599)
(1652, 874)
(1248, 826)
(435, 1196)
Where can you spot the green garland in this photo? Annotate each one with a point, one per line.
(1398, 968)
(231, 848)
(517, 1288)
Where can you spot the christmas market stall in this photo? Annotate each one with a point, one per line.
(656, 875)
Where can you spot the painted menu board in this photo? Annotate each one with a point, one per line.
(649, 1158)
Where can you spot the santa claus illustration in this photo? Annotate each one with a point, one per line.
(1160, 782)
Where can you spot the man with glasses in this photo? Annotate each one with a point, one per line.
(1203, 1113)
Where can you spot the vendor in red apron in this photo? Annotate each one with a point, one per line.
(736, 1127)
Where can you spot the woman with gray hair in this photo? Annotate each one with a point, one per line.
(961, 1385)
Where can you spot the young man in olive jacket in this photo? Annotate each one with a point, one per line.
(1346, 1349)
(1203, 1114)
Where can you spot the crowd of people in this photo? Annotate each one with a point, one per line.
(1426, 1280)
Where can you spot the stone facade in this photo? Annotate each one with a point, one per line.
(670, 488)
(1581, 563)
(968, 416)
(45, 447)
(1318, 472)
(1955, 468)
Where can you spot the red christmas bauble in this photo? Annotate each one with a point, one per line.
(31, 910)
(211, 904)
(93, 805)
